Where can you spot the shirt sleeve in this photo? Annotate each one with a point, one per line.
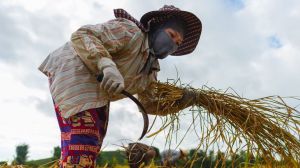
(92, 42)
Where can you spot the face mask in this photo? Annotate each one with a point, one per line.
(162, 44)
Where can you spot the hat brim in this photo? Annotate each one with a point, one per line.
(193, 28)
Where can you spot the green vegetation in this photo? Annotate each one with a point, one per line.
(111, 158)
(196, 158)
(39, 162)
(21, 154)
(56, 153)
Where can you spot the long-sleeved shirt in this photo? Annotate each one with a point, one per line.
(72, 69)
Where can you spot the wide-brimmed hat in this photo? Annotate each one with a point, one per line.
(193, 25)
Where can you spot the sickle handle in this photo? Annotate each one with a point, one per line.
(138, 103)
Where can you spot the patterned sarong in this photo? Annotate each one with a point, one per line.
(82, 136)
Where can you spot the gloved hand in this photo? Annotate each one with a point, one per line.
(113, 81)
(188, 98)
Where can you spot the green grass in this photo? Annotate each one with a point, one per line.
(39, 162)
(110, 157)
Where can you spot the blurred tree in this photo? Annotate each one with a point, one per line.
(211, 159)
(220, 160)
(3, 163)
(157, 158)
(21, 152)
(236, 160)
(56, 153)
(199, 159)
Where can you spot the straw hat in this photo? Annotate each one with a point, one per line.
(193, 25)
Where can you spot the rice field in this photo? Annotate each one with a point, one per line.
(267, 128)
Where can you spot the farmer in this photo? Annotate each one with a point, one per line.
(170, 157)
(126, 52)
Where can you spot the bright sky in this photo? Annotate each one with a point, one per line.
(249, 45)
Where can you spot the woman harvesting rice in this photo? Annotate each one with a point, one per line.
(126, 52)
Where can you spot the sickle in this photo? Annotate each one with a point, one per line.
(138, 103)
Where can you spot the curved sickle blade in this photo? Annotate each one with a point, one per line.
(145, 116)
(138, 103)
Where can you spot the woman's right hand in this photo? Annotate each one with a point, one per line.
(113, 81)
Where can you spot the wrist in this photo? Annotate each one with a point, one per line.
(188, 98)
(104, 63)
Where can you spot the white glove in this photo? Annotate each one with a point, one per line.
(113, 81)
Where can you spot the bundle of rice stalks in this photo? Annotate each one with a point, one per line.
(139, 154)
(266, 126)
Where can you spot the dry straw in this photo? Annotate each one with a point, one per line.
(266, 127)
